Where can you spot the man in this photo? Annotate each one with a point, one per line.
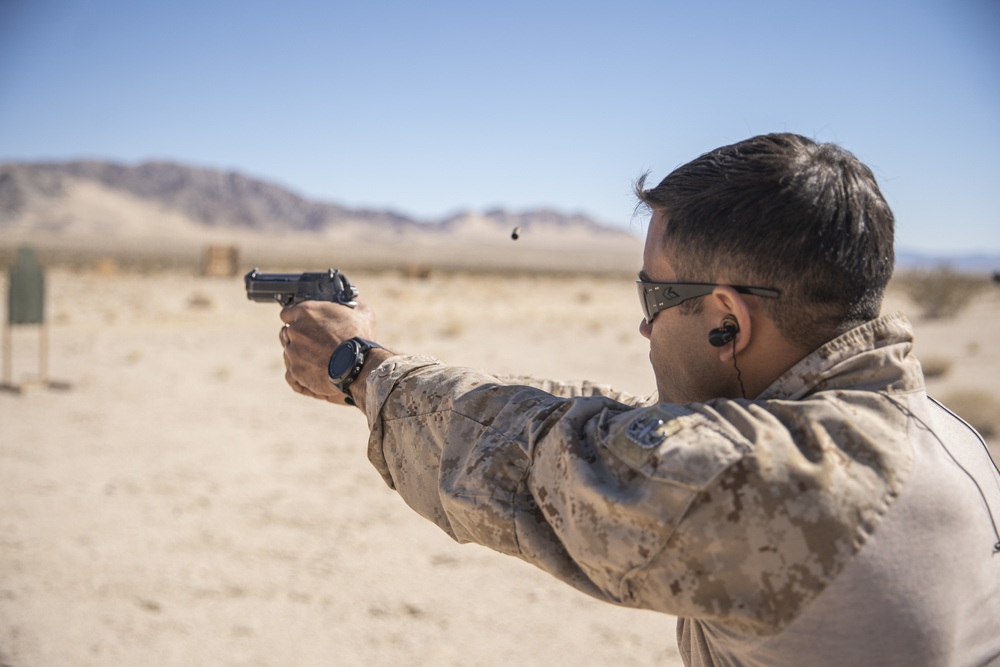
(794, 497)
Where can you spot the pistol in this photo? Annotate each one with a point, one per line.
(289, 288)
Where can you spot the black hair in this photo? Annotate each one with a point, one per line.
(784, 212)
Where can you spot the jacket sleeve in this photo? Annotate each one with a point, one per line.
(555, 481)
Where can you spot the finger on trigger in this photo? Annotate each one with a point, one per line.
(288, 314)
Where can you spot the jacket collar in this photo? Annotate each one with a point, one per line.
(876, 356)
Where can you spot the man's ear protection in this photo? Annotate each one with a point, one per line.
(723, 335)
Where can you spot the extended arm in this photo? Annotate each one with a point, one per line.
(665, 507)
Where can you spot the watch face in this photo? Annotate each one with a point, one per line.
(343, 360)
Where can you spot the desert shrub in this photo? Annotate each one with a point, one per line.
(940, 292)
(935, 367)
(415, 271)
(199, 301)
(452, 327)
(979, 408)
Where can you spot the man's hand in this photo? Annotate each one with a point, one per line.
(312, 331)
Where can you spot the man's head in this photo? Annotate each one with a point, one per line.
(784, 212)
(777, 211)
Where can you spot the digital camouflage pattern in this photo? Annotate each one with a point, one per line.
(734, 512)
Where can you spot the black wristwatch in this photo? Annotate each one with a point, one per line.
(346, 362)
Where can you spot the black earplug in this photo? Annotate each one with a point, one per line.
(724, 334)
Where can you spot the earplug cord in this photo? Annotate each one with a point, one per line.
(739, 375)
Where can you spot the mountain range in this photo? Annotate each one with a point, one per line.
(83, 210)
(229, 199)
(102, 205)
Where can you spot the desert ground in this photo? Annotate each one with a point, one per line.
(178, 504)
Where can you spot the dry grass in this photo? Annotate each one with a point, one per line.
(979, 408)
(940, 293)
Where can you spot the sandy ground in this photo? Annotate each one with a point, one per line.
(179, 505)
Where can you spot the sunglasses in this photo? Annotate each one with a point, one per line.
(655, 297)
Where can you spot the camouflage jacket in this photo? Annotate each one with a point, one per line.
(732, 514)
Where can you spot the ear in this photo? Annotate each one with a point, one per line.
(727, 306)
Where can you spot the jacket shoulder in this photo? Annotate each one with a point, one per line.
(769, 532)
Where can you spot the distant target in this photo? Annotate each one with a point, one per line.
(516, 233)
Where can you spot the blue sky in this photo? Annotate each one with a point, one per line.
(431, 107)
